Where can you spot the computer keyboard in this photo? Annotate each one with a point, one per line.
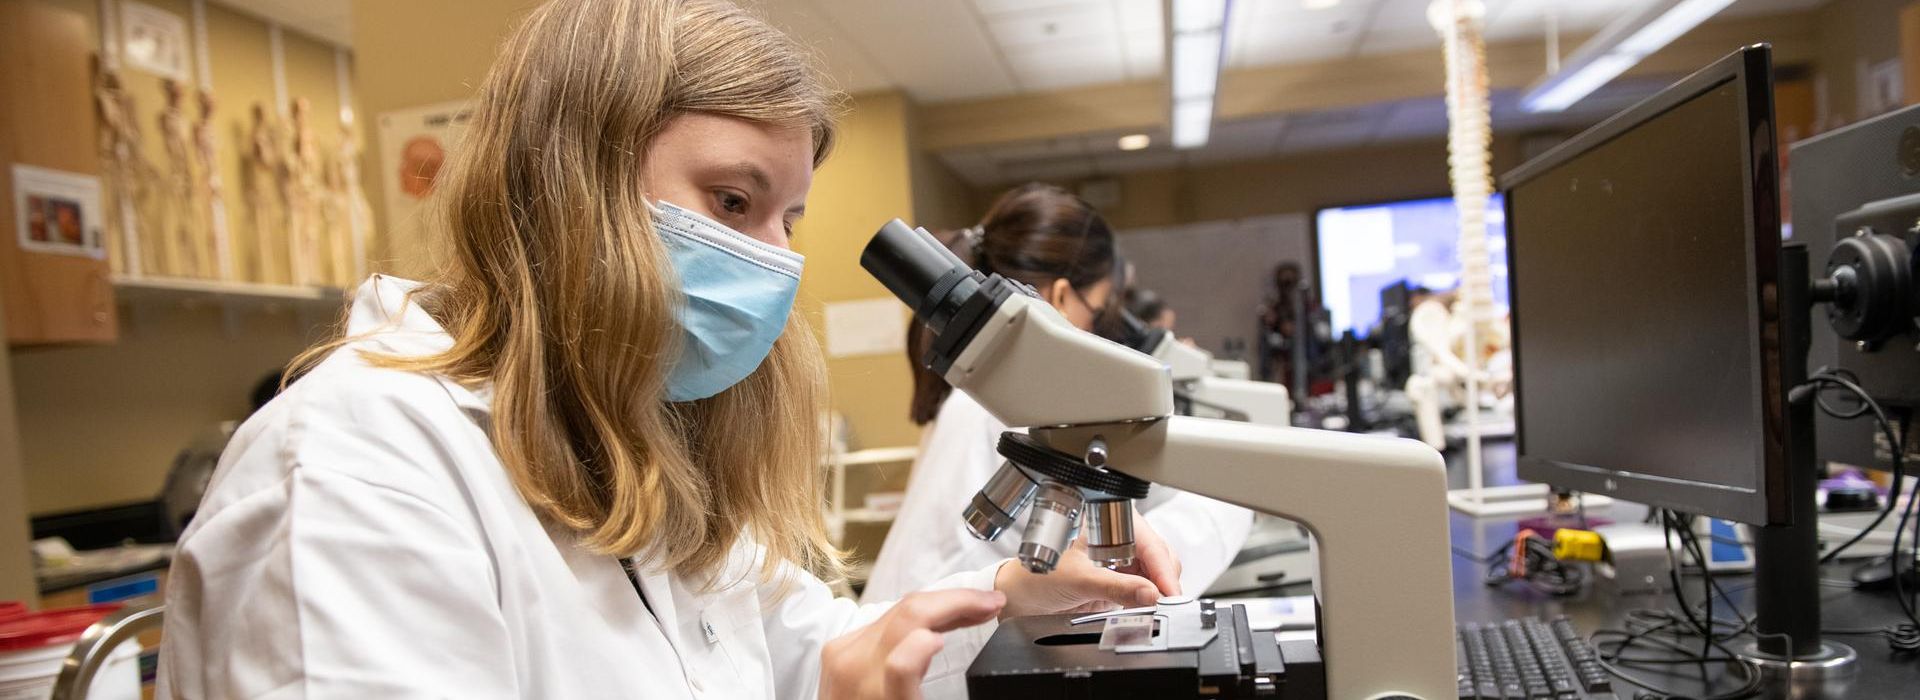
(1526, 658)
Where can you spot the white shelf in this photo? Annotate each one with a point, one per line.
(177, 288)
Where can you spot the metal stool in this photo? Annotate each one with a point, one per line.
(98, 643)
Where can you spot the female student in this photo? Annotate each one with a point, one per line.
(581, 460)
(1054, 242)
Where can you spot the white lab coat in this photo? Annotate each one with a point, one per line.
(360, 539)
(957, 456)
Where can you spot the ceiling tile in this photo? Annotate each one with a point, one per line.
(1528, 19)
(1397, 26)
(991, 8)
(1279, 31)
(1145, 55)
(1066, 65)
(956, 61)
(1066, 24)
(852, 69)
(1143, 41)
(1135, 16)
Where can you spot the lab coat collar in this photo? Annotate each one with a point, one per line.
(385, 314)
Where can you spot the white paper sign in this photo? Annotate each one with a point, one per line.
(57, 212)
(154, 40)
(866, 327)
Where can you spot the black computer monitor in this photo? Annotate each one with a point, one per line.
(1642, 256)
(1395, 336)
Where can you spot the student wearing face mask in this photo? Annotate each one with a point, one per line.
(1053, 241)
(582, 459)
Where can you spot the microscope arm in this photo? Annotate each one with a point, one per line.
(1385, 586)
(1264, 403)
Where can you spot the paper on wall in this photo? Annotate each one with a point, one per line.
(414, 144)
(866, 327)
(154, 40)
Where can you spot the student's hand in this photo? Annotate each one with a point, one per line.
(888, 658)
(1076, 584)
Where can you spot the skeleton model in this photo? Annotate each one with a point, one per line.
(300, 190)
(262, 170)
(127, 175)
(177, 211)
(217, 250)
(352, 216)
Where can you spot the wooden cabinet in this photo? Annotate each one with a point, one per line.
(47, 120)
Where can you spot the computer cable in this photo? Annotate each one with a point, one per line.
(1530, 558)
(1841, 379)
(1664, 629)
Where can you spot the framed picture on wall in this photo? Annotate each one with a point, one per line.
(57, 212)
(154, 40)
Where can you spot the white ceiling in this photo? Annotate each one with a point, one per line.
(331, 20)
(939, 50)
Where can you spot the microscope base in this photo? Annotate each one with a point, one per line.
(1045, 658)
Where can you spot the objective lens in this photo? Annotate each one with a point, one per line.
(1050, 527)
(999, 502)
(1110, 532)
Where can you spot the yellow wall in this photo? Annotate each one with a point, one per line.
(941, 200)
(866, 182)
(413, 54)
(100, 425)
(1850, 32)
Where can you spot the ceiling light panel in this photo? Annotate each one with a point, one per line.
(1196, 65)
(1192, 122)
(1198, 15)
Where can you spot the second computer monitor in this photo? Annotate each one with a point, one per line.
(1642, 258)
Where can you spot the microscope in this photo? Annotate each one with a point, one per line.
(1101, 429)
(1206, 386)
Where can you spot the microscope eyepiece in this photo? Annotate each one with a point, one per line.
(952, 299)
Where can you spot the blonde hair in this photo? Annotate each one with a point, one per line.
(558, 291)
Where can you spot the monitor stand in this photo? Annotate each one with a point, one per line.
(1789, 649)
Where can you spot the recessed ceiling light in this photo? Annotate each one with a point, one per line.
(1318, 4)
(1135, 142)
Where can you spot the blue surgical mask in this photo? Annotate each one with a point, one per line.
(738, 294)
